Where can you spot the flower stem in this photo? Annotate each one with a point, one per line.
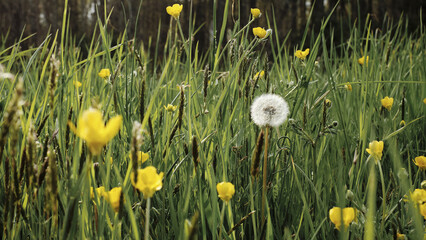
(384, 196)
(371, 203)
(148, 207)
(222, 216)
(265, 166)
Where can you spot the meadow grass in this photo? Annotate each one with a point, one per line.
(316, 160)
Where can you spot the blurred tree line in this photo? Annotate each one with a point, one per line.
(28, 16)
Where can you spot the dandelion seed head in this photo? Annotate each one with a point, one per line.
(269, 109)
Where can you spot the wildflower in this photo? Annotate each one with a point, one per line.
(104, 73)
(328, 102)
(114, 198)
(387, 103)
(424, 100)
(76, 83)
(91, 128)
(420, 162)
(400, 236)
(259, 74)
(225, 191)
(418, 196)
(148, 181)
(100, 191)
(259, 32)
(255, 12)
(336, 214)
(174, 10)
(362, 60)
(269, 110)
(142, 157)
(348, 86)
(375, 149)
(170, 108)
(302, 54)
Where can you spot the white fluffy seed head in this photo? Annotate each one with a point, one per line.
(269, 110)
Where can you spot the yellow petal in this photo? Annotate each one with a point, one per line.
(112, 127)
(349, 215)
(114, 198)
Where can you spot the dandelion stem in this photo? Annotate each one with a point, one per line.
(265, 166)
(148, 207)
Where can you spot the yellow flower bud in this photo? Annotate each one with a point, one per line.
(104, 73)
(387, 103)
(170, 108)
(255, 12)
(363, 60)
(302, 54)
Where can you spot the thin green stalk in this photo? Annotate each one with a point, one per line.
(371, 202)
(222, 216)
(253, 217)
(384, 196)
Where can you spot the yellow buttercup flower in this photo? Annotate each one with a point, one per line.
(348, 86)
(363, 60)
(100, 191)
(387, 103)
(225, 191)
(91, 128)
(114, 198)
(76, 83)
(420, 162)
(375, 149)
(424, 100)
(148, 181)
(418, 196)
(255, 12)
(170, 108)
(422, 209)
(142, 157)
(259, 32)
(302, 54)
(336, 214)
(174, 10)
(400, 236)
(104, 73)
(259, 74)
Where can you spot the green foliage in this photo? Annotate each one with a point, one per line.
(316, 160)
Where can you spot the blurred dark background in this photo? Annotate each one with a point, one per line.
(28, 16)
